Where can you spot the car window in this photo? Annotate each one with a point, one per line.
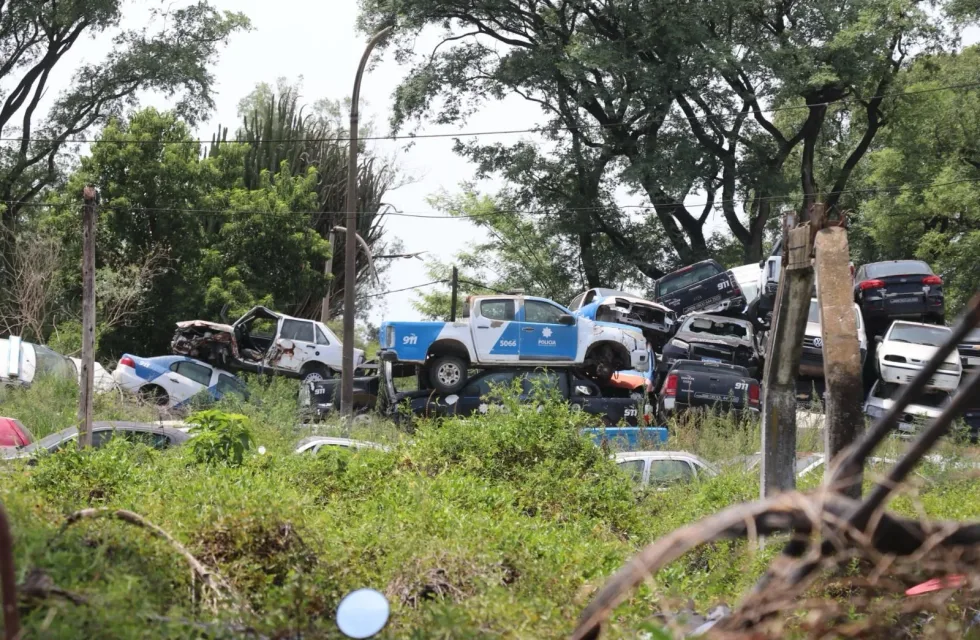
(196, 372)
(229, 384)
(299, 330)
(497, 309)
(716, 327)
(321, 338)
(537, 311)
(670, 471)
(149, 438)
(481, 386)
(900, 268)
(262, 327)
(576, 302)
(633, 468)
(100, 437)
(814, 316)
(917, 334)
(675, 281)
(542, 379)
(52, 363)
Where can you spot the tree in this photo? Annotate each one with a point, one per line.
(37, 35)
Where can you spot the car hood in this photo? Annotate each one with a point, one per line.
(204, 324)
(103, 380)
(610, 301)
(730, 341)
(921, 352)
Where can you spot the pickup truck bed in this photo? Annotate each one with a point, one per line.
(714, 386)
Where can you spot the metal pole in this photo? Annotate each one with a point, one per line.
(350, 244)
(87, 374)
(455, 287)
(328, 271)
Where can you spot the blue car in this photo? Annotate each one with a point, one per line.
(173, 380)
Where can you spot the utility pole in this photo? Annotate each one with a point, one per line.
(783, 355)
(88, 319)
(841, 351)
(452, 300)
(328, 271)
(350, 244)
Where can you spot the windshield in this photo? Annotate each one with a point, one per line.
(814, 316)
(898, 268)
(673, 282)
(712, 368)
(717, 327)
(918, 334)
(52, 363)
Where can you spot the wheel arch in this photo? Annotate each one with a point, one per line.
(449, 347)
(619, 351)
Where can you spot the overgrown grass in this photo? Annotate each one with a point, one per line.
(502, 525)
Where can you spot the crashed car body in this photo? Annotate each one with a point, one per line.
(21, 362)
(655, 320)
(263, 341)
(711, 338)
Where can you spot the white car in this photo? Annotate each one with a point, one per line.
(924, 408)
(172, 381)
(811, 362)
(21, 362)
(313, 444)
(907, 346)
(660, 468)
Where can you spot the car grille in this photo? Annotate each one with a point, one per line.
(969, 350)
(725, 354)
(811, 342)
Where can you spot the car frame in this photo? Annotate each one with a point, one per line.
(684, 341)
(20, 360)
(877, 405)
(656, 321)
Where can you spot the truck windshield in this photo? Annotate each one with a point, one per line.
(717, 327)
(685, 278)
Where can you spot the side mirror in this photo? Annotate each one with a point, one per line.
(362, 613)
(879, 339)
(566, 319)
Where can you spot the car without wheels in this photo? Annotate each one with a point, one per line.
(907, 346)
(172, 381)
(712, 338)
(887, 291)
(690, 384)
(150, 434)
(21, 362)
(656, 321)
(704, 286)
(663, 468)
(263, 341)
(509, 331)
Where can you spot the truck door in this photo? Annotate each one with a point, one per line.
(495, 331)
(543, 338)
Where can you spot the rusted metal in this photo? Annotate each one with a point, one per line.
(8, 583)
(841, 351)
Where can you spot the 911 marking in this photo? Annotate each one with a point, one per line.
(741, 386)
(724, 284)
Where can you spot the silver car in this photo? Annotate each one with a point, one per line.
(661, 468)
(151, 434)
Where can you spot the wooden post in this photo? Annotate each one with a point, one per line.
(328, 271)
(87, 374)
(783, 355)
(841, 351)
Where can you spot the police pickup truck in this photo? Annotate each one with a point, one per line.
(508, 331)
(704, 286)
(716, 386)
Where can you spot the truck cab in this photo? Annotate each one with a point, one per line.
(508, 331)
(703, 286)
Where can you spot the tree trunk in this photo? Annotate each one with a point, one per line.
(589, 265)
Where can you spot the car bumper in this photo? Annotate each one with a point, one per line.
(904, 375)
(387, 355)
(902, 306)
(672, 405)
(127, 380)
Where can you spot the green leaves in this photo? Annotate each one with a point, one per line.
(219, 437)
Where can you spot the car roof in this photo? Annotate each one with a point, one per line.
(114, 425)
(700, 364)
(919, 324)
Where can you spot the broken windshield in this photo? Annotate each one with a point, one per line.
(721, 328)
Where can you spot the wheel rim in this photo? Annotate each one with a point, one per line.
(314, 376)
(448, 374)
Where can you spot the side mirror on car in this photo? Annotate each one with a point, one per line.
(566, 319)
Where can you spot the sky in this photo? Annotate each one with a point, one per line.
(319, 42)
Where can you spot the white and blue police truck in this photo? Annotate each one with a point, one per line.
(509, 331)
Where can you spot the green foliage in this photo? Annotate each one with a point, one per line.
(219, 437)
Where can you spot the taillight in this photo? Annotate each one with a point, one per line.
(871, 284)
(932, 280)
(126, 361)
(670, 387)
(754, 394)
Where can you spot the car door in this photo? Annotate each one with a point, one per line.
(328, 348)
(223, 384)
(542, 337)
(303, 338)
(495, 330)
(185, 380)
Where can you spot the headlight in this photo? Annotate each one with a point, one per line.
(680, 344)
(875, 412)
(389, 337)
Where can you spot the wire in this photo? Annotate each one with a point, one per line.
(501, 212)
(540, 129)
(418, 286)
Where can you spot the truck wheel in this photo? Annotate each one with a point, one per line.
(315, 373)
(447, 374)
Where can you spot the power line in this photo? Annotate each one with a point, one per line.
(540, 129)
(430, 215)
(418, 286)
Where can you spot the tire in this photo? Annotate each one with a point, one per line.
(315, 373)
(153, 394)
(447, 374)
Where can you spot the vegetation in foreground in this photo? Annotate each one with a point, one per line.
(501, 525)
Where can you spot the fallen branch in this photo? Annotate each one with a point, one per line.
(209, 577)
(38, 585)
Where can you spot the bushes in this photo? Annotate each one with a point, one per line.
(219, 437)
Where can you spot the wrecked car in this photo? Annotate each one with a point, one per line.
(21, 362)
(656, 321)
(711, 338)
(263, 341)
(704, 286)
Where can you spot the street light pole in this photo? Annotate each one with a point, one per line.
(350, 241)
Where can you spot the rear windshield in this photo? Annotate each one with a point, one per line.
(814, 316)
(675, 281)
(918, 334)
(898, 268)
(694, 366)
(716, 327)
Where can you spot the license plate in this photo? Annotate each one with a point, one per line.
(704, 359)
(904, 300)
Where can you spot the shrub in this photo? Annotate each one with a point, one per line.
(220, 437)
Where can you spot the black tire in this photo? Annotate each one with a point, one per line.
(153, 394)
(315, 373)
(447, 374)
